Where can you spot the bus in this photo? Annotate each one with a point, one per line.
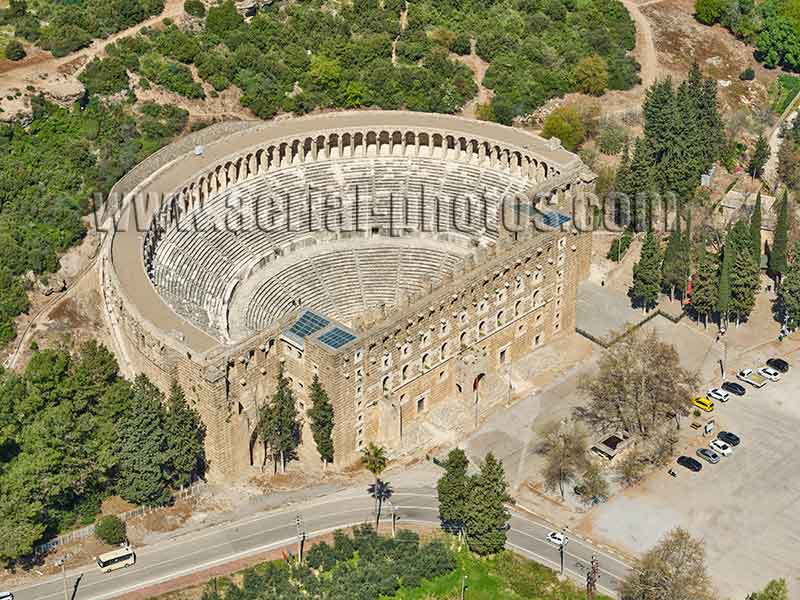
(116, 559)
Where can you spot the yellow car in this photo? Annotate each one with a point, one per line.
(703, 403)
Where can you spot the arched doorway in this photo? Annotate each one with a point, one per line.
(477, 388)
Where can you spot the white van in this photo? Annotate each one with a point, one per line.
(116, 559)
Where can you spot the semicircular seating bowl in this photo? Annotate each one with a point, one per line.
(226, 237)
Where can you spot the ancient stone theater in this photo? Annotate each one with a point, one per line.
(405, 258)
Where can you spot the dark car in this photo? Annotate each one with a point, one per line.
(734, 388)
(778, 364)
(690, 463)
(729, 438)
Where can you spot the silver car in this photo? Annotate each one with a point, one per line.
(708, 455)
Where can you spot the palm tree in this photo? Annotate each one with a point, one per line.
(381, 491)
(374, 459)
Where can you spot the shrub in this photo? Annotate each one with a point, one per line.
(107, 76)
(619, 246)
(612, 139)
(748, 74)
(195, 8)
(14, 50)
(591, 75)
(462, 44)
(566, 124)
(111, 529)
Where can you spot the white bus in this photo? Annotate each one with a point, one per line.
(116, 559)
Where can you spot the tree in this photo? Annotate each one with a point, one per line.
(789, 163)
(485, 514)
(744, 283)
(755, 230)
(278, 424)
(322, 421)
(674, 568)
(776, 265)
(724, 294)
(705, 285)
(774, 590)
(647, 273)
(373, 457)
(593, 486)
(142, 454)
(759, 157)
(223, 19)
(591, 75)
(111, 530)
(564, 447)
(630, 468)
(639, 385)
(381, 491)
(196, 8)
(789, 293)
(709, 12)
(673, 270)
(185, 453)
(453, 489)
(565, 123)
(14, 50)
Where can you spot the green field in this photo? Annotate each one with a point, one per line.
(507, 576)
(789, 88)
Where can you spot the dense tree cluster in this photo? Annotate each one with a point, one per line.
(72, 431)
(683, 136)
(365, 566)
(789, 156)
(63, 27)
(474, 505)
(773, 26)
(50, 170)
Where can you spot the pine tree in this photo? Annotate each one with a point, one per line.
(777, 256)
(759, 157)
(453, 489)
(322, 421)
(672, 270)
(755, 230)
(704, 285)
(789, 293)
(724, 294)
(647, 273)
(143, 478)
(485, 514)
(744, 280)
(739, 238)
(185, 436)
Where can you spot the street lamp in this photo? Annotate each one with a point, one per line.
(463, 585)
(563, 549)
(62, 562)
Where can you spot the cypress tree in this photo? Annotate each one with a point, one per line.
(185, 436)
(744, 283)
(755, 230)
(143, 477)
(777, 256)
(789, 293)
(268, 434)
(485, 514)
(704, 285)
(674, 260)
(739, 238)
(647, 273)
(287, 425)
(321, 416)
(453, 489)
(759, 157)
(724, 294)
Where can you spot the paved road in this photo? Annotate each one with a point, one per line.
(265, 531)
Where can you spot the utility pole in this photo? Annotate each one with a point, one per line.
(563, 549)
(463, 585)
(394, 518)
(62, 562)
(591, 578)
(301, 537)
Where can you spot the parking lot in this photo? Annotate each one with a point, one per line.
(745, 507)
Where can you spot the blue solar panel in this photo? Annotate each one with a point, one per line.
(554, 219)
(307, 324)
(336, 337)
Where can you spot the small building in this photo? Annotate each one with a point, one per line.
(612, 446)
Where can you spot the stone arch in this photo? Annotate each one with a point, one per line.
(478, 386)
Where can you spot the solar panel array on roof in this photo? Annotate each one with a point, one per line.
(554, 219)
(336, 337)
(307, 324)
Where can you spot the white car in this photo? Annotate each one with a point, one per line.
(556, 538)
(718, 394)
(769, 373)
(721, 447)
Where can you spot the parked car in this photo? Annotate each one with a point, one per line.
(703, 403)
(720, 447)
(751, 377)
(6, 596)
(734, 388)
(708, 455)
(778, 364)
(690, 463)
(729, 438)
(718, 394)
(769, 373)
(554, 537)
